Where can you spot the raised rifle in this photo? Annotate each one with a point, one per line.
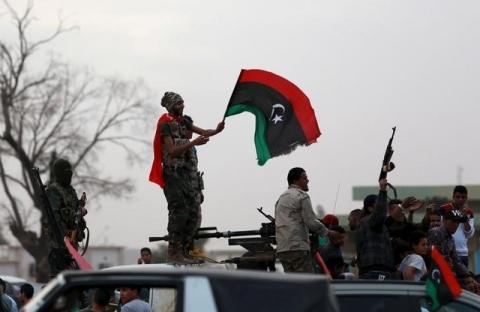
(60, 257)
(387, 165)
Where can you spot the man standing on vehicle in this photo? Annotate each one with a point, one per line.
(374, 250)
(442, 238)
(171, 169)
(465, 229)
(294, 218)
(68, 211)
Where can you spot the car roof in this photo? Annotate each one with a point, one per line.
(391, 287)
(234, 290)
(13, 279)
(181, 271)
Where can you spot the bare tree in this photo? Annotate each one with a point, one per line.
(58, 111)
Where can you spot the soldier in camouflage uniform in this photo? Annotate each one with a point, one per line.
(182, 186)
(196, 178)
(69, 211)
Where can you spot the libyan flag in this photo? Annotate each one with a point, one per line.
(284, 117)
(441, 286)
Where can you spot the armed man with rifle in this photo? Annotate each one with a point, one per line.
(68, 211)
(374, 249)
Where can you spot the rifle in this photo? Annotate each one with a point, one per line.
(387, 165)
(78, 235)
(59, 257)
(269, 217)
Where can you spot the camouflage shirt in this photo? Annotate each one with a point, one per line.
(177, 130)
(66, 209)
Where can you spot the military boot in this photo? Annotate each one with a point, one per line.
(175, 256)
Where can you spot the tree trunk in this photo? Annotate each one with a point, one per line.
(37, 247)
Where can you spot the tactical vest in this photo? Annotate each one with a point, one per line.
(178, 132)
(67, 211)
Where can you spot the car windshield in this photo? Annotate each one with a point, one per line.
(111, 298)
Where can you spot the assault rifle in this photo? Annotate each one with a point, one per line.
(81, 231)
(387, 165)
(59, 257)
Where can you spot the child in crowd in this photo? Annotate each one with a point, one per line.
(413, 266)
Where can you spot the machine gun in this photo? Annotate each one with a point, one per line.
(387, 165)
(260, 253)
(59, 257)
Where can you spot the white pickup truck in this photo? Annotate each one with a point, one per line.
(185, 289)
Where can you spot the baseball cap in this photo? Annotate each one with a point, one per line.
(452, 213)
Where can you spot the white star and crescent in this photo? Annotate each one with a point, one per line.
(277, 117)
(436, 276)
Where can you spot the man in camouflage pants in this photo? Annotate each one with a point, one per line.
(69, 211)
(179, 166)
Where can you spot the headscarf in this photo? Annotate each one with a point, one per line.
(170, 98)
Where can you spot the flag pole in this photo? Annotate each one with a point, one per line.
(238, 79)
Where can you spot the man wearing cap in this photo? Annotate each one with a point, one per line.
(466, 229)
(170, 169)
(442, 238)
(374, 251)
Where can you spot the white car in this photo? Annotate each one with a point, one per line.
(188, 289)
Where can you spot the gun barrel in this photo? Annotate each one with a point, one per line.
(226, 234)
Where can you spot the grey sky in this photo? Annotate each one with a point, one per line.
(365, 65)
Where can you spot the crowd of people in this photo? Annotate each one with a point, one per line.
(389, 245)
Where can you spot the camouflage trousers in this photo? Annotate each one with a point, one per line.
(183, 207)
(296, 261)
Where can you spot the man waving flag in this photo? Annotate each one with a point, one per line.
(283, 113)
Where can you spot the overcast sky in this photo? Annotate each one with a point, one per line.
(365, 65)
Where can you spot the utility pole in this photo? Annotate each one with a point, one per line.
(459, 175)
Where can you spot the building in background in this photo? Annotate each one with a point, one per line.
(15, 261)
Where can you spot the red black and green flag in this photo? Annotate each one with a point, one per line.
(442, 286)
(283, 113)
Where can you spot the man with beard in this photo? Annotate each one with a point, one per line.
(294, 218)
(172, 169)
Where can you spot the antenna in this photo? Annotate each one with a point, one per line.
(459, 175)
(336, 198)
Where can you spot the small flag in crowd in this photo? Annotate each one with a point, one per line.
(283, 113)
(441, 286)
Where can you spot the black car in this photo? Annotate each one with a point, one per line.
(394, 296)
